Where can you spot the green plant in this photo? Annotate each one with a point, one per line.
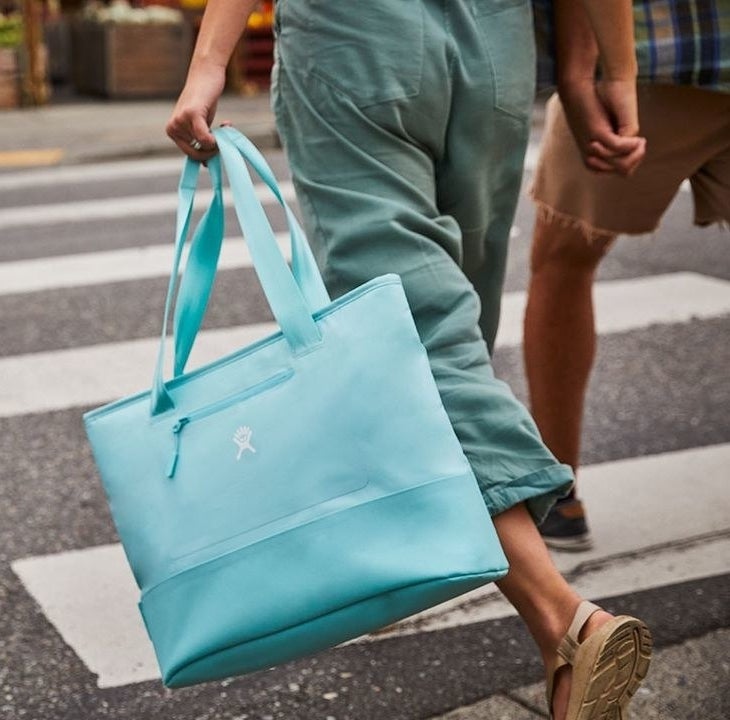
(11, 30)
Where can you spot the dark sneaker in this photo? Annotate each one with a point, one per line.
(565, 527)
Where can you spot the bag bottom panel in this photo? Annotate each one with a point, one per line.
(324, 632)
(323, 583)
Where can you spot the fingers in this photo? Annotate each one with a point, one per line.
(597, 165)
(601, 159)
(192, 135)
(614, 143)
(201, 132)
(632, 161)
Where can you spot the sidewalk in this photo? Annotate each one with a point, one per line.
(685, 682)
(98, 130)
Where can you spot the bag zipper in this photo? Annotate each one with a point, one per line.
(213, 408)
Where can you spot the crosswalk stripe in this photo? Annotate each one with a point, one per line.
(622, 305)
(644, 545)
(96, 172)
(695, 558)
(92, 375)
(117, 207)
(54, 380)
(99, 268)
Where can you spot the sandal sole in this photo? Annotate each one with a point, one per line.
(621, 663)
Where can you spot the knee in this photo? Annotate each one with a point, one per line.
(566, 247)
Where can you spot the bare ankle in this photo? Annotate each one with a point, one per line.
(600, 617)
(556, 627)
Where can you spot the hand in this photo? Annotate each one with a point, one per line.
(195, 110)
(603, 118)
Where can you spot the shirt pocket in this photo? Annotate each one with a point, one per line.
(506, 29)
(372, 52)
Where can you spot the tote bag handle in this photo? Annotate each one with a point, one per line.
(200, 270)
(285, 298)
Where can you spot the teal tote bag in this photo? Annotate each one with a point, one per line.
(300, 492)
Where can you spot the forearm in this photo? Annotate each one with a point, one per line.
(575, 42)
(223, 24)
(586, 30)
(613, 25)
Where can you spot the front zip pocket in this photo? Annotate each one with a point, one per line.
(208, 410)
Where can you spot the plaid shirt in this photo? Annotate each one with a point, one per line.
(683, 42)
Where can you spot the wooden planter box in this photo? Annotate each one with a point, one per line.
(9, 79)
(126, 60)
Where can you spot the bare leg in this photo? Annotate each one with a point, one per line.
(560, 341)
(539, 593)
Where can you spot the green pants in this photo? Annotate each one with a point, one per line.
(405, 123)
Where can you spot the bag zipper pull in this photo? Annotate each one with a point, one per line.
(176, 430)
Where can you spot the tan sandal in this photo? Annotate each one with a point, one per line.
(608, 666)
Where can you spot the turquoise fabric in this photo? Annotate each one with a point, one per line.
(405, 124)
(300, 492)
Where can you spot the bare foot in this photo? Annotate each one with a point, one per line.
(561, 688)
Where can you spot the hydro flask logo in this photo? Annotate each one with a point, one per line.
(242, 438)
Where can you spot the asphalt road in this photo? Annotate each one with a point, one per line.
(658, 388)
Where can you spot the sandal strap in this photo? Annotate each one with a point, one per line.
(550, 682)
(569, 644)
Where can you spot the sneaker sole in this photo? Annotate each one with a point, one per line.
(576, 543)
(620, 665)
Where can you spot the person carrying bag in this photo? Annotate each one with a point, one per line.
(299, 492)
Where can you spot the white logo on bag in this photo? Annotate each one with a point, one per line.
(242, 438)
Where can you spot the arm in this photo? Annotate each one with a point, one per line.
(603, 116)
(613, 27)
(223, 24)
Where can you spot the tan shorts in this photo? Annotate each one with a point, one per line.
(688, 137)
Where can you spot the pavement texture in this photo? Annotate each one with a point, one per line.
(93, 131)
(690, 680)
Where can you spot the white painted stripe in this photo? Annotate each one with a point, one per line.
(653, 568)
(101, 623)
(118, 207)
(622, 305)
(96, 172)
(54, 380)
(105, 630)
(99, 268)
(93, 375)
